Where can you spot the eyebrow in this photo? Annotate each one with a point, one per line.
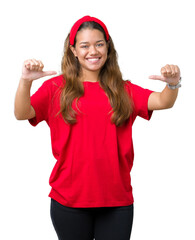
(88, 42)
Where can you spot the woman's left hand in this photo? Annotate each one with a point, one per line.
(169, 74)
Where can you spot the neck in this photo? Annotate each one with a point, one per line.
(89, 76)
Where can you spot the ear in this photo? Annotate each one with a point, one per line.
(73, 50)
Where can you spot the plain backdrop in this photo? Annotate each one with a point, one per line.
(147, 35)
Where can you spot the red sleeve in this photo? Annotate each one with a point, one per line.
(140, 99)
(40, 101)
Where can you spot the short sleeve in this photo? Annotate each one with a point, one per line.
(40, 102)
(140, 98)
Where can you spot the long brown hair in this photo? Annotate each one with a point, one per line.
(110, 80)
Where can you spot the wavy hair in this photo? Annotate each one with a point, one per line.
(110, 80)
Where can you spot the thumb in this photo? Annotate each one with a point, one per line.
(156, 77)
(48, 73)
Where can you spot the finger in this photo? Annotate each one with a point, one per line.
(172, 70)
(27, 64)
(164, 72)
(36, 64)
(32, 65)
(41, 66)
(177, 71)
(168, 70)
(156, 77)
(48, 73)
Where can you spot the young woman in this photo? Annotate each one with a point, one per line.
(90, 110)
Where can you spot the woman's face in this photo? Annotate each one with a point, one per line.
(91, 49)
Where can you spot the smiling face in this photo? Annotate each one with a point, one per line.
(91, 50)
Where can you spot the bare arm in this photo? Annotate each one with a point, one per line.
(162, 100)
(32, 70)
(166, 98)
(23, 109)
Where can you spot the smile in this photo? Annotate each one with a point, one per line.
(93, 60)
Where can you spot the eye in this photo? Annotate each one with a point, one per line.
(100, 44)
(84, 46)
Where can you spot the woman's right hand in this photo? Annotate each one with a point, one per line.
(33, 69)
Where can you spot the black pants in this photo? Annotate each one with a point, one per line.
(104, 223)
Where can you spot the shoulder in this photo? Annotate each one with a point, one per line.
(131, 88)
(53, 85)
(135, 89)
(55, 82)
(138, 94)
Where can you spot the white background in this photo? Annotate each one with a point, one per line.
(147, 35)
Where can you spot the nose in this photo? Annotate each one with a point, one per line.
(93, 50)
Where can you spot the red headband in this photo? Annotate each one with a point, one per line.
(77, 24)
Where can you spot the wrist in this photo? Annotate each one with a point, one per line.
(25, 82)
(173, 85)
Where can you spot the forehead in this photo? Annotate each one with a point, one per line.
(88, 35)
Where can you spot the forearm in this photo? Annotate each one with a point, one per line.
(168, 97)
(22, 107)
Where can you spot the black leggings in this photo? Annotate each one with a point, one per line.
(103, 223)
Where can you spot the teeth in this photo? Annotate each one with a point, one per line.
(93, 59)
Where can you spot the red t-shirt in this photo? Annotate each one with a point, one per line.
(94, 156)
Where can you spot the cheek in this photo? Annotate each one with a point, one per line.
(105, 55)
(105, 52)
(82, 54)
(79, 51)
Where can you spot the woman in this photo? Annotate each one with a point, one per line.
(90, 110)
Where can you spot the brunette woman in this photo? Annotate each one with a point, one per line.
(90, 110)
